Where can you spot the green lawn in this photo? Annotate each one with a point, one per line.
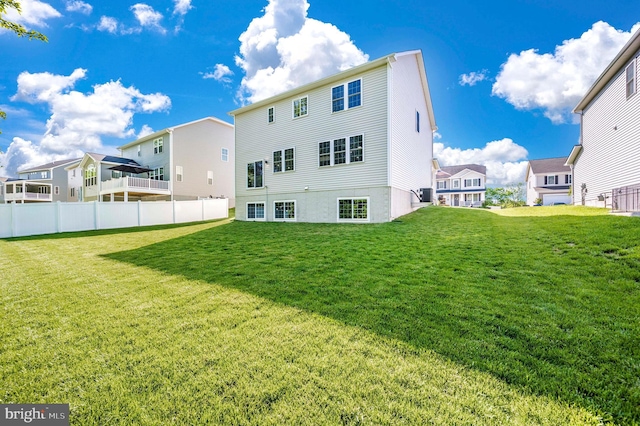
(446, 316)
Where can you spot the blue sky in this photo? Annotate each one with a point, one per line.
(504, 75)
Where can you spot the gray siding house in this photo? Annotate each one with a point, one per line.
(347, 148)
(605, 163)
(548, 179)
(44, 183)
(463, 185)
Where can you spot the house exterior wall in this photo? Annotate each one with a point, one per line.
(146, 157)
(257, 139)
(197, 148)
(610, 136)
(74, 181)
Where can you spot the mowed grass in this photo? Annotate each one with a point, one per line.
(446, 316)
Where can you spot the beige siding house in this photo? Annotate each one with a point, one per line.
(44, 183)
(348, 148)
(548, 180)
(605, 163)
(461, 186)
(196, 159)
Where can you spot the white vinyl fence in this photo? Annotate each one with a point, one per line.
(19, 220)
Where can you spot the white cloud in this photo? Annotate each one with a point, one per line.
(148, 17)
(78, 120)
(181, 7)
(108, 24)
(144, 131)
(505, 160)
(221, 74)
(79, 6)
(34, 13)
(556, 82)
(472, 78)
(284, 49)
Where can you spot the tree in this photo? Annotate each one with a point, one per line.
(16, 28)
(510, 196)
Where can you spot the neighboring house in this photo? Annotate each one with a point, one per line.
(2, 181)
(196, 159)
(549, 180)
(199, 153)
(463, 185)
(347, 148)
(607, 158)
(45, 183)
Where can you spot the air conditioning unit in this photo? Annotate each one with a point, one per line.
(426, 195)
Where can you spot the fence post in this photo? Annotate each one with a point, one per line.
(173, 204)
(96, 215)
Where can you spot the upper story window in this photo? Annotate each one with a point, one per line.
(631, 78)
(300, 107)
(441, 184)
(341, 151)
(567, 179)
(551, 180)
(456, 183)
(115, 174)
(255, 174)
(271, 115)
(417, 122)
(179, 173)
(157, 145)
(472, 182)
(139, 150)
(224, 155)
(283, 160)
(90, 176)
(353, 99)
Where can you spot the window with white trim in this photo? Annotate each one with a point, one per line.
(90, 176)
(157, 173)
(456, 183)
(338, 151)
(157, 145)
(471, 182)
(472, 197)
(353, 98)
(353, 209)
(139, 150)
(224, 155)
(56, 190)
(255, 174)
(630, 72)
(271, 115)
(115, 174)
(551, 180)
(209, 177)
(300, 107)
(179, 174)
(72, 192)
(255, 211)
(441, 184)
(283, 160)
(567, 179)
(284, 210)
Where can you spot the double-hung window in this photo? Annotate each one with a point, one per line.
(255, 211)
(551, 180)
(255, 175)
(224, 155)
(179, 173)
(471, 182)
(283, 160)
(353, 98)
(157, 174)
(300, 107)
(441, 184)
(353, 209)
(341, 151)
(631, 78)
(284, 210)
(271, 115)
(157, 145)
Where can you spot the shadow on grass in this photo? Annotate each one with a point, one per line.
(548, 304)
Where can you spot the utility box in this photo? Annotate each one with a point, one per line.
(426, 195)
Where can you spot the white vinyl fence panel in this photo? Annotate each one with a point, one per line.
(19, 220)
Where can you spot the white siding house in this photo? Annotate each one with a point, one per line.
(348, 148)
(463, 185)
(44, 183)
(608, 156)
(549, 181)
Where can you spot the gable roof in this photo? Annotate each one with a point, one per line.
(616, 65)
(385, 60)
(51, 165)
(171, 129)
(548, 165)
(447, 171)
(103, 158)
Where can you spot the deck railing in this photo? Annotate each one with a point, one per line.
(129, 184)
